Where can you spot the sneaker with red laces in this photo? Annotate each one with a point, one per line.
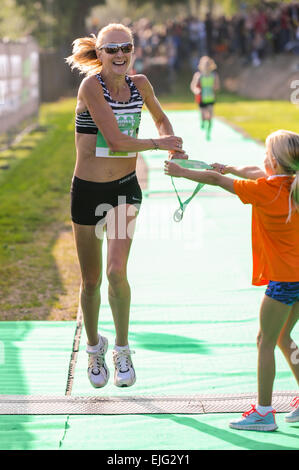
(252, 420)
(293, 416)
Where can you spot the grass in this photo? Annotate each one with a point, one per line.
(34, 219)
(259, 118)
(33, 187)
(39, 273)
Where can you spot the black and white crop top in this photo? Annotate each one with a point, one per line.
(127, 114)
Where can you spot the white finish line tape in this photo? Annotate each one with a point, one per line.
(193, 404)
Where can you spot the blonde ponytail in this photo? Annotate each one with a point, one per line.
(294, 196)
(84, 57)
(284, 147)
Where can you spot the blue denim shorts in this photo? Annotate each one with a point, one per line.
(285, 292)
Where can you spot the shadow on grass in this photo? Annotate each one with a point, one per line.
(32, 285)
(165, 342)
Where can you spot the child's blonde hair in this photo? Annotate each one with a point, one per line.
(284, 147)
(84, 56)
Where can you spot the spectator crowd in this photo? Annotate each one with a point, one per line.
(252, 35)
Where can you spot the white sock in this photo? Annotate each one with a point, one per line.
(120, 348)
(95, 348)
(263, 409)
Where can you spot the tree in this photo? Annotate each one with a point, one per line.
(55, 22)
(192, 5)
(12, 21)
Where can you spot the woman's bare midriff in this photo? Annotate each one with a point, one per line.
(99, 169)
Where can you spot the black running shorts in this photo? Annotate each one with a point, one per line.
(90, 201)
(206, 105)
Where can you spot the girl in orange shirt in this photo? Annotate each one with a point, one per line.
(274, 195)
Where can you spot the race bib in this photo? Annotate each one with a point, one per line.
(128, 124)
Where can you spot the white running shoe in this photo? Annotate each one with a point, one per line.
(98, 372)
(293, 416)
(124, 374)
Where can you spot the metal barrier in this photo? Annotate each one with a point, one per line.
(19, 87)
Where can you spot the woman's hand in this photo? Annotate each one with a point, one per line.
(173, 169)
(170, 142)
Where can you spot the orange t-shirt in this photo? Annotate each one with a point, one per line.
(275, 243)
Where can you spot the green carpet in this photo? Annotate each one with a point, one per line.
(194, 320)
